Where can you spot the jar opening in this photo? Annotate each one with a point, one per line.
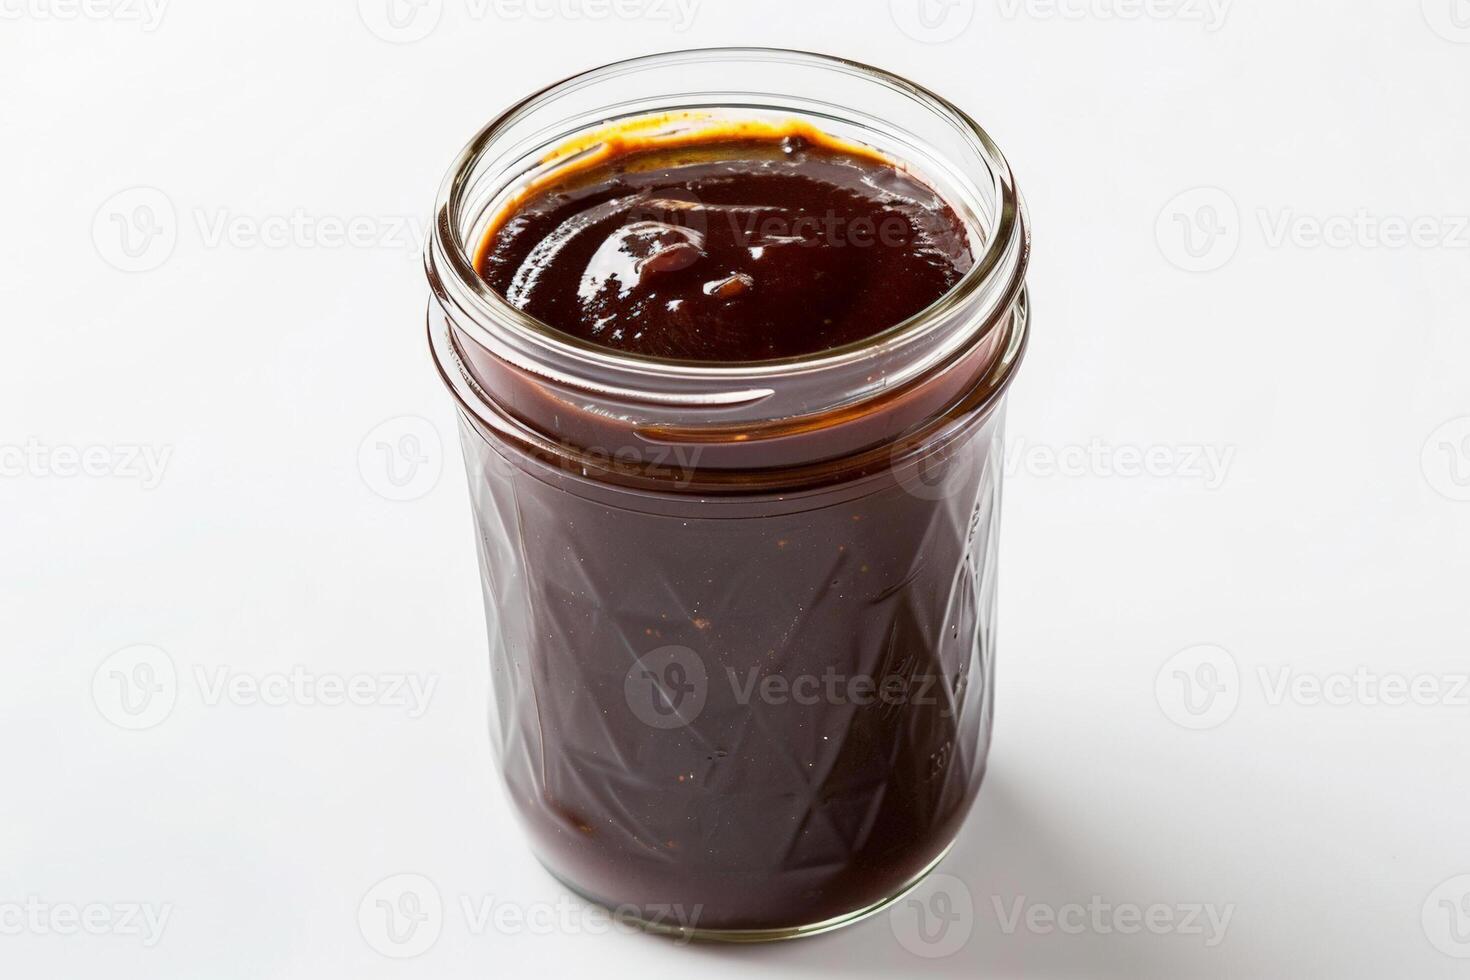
(463, 209)
(497, 349)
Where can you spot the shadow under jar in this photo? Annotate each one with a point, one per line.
(741, 614)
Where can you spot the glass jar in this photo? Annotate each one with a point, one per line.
(741, 615)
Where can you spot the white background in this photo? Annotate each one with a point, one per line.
(1331, 536)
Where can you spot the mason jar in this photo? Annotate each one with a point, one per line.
(741, 616)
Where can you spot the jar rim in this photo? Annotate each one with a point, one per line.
(1003, 259)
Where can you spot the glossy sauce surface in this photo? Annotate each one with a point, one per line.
(736, 250)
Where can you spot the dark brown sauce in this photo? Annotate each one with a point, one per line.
(740, 250)
(748, 810)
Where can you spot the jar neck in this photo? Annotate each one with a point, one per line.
(615, 416)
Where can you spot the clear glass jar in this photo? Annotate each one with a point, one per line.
(741, 615)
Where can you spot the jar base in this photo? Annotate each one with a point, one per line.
(685, 934)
